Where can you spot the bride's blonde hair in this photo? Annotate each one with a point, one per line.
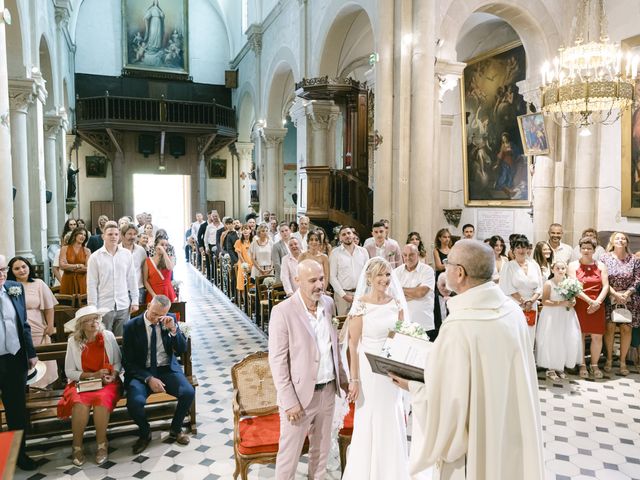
(377, 266)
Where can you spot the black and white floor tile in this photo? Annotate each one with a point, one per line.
(591, 429)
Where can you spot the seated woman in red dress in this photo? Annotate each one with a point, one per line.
(156, 272)
(92, 352)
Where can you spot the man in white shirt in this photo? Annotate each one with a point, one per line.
(289, 271)
(303, 232)
(383, 247)
(138, 254)
(387, 227)
(418, 283)
(210, 236)
(477, 414)
(345, 265)
(111, 280)
(561, 251)
(195, 226)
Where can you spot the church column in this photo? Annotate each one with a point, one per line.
(7, 241)
(383, 156)
(22, 95)
(52, 127)
(61, 168)
(37, 181)
(118, 177)
(322, 116)
(424, 122)
(245, 152)
(585, 185)
(272, 196)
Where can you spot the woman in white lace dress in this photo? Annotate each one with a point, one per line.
(379, 443)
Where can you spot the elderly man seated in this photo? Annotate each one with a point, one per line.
(151, 367)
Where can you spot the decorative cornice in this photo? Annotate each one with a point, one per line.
(22, 93)
(273, 137)
(254, 38)
(244, 149)
(322, 117)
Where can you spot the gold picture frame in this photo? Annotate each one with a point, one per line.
(495, 168)
(630, 151)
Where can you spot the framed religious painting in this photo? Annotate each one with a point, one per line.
(155, 38)
(96, 166)
(496, 167)
(217, 168)
(630, 126)
(533, 134)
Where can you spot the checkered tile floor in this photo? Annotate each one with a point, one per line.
(592, 429)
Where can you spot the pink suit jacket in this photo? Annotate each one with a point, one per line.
(293, 352)
(392, 252)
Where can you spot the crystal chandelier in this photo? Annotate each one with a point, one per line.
(591, 81)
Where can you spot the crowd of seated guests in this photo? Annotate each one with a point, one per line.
(118, 276)
(610, 278)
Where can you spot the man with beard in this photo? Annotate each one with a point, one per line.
(345, 265)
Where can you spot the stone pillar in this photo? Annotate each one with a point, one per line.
(245, 153)
(272, 195)
(425, 122)
(7, 241)
(61, 168)
(52, 126)
(37, 180)
(383, 156)
(118, 179)
(22, 95)
(322, 116)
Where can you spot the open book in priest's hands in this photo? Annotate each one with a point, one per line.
(402, 355)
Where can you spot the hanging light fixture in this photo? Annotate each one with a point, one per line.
(591, 81)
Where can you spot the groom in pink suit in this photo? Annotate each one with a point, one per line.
(307, 370)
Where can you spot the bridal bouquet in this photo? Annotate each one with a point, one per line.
(569, 288)
(411, 329)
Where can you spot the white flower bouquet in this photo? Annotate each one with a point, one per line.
(269, 282)
(245, 266)
(411, 329)
(569, 289)
(14, 291)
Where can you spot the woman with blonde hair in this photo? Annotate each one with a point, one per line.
(624, 279)
(92, 353)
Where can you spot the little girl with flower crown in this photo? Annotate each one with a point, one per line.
(558, 338)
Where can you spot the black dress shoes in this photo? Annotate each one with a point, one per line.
(179, 437)
(141, 444)
(26, 463)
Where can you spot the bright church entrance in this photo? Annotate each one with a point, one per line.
(168, 199)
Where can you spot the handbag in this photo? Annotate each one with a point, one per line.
(621, 314)
(530, 316)
(89, 385)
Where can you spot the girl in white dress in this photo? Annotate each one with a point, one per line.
(558, 337)
(378, 448)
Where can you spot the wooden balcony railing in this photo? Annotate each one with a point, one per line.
(107, 109)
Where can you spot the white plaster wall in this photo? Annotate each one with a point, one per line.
(222, 189)
(99, 40)
(89, 189)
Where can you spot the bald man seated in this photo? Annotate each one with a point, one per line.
(307, 370)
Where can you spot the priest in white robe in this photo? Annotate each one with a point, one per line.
(477, 416)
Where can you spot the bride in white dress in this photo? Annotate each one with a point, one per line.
(378, 449)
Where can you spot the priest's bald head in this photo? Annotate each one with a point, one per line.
(469, 264)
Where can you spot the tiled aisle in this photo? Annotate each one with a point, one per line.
(592, 429)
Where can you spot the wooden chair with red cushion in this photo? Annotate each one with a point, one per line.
(256, 421)
(344, 435)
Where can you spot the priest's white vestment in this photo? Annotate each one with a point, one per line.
(477, 416)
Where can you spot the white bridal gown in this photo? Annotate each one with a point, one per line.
(378, 449)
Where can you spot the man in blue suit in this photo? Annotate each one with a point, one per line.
(17, 356)
(151, 342)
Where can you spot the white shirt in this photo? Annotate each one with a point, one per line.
(345, 268)
(288, 273)
(564, 252)
(161, 354)
(111, 279)
(9, 327)
(195, 226)
(513, 279)
(139, 255)
(420, 309)
(210, 233)
(320, 326)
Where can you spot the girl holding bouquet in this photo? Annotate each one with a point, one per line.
(595, 283)
(558, 339)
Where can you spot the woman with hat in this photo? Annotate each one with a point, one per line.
(40, 302)
(92, 353)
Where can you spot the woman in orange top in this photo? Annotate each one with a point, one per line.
(73, 263)
(156, 272)
(244, 257)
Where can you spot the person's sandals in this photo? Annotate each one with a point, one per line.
(584, 373)
(596, 371)
(551, 375)
(562, 375)
(624, 371)
(607, 366)
(77, 456)
(102, 453)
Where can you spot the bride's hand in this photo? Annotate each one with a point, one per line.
(354, 391)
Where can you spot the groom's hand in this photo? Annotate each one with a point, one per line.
(295, 413)
(399, 381)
